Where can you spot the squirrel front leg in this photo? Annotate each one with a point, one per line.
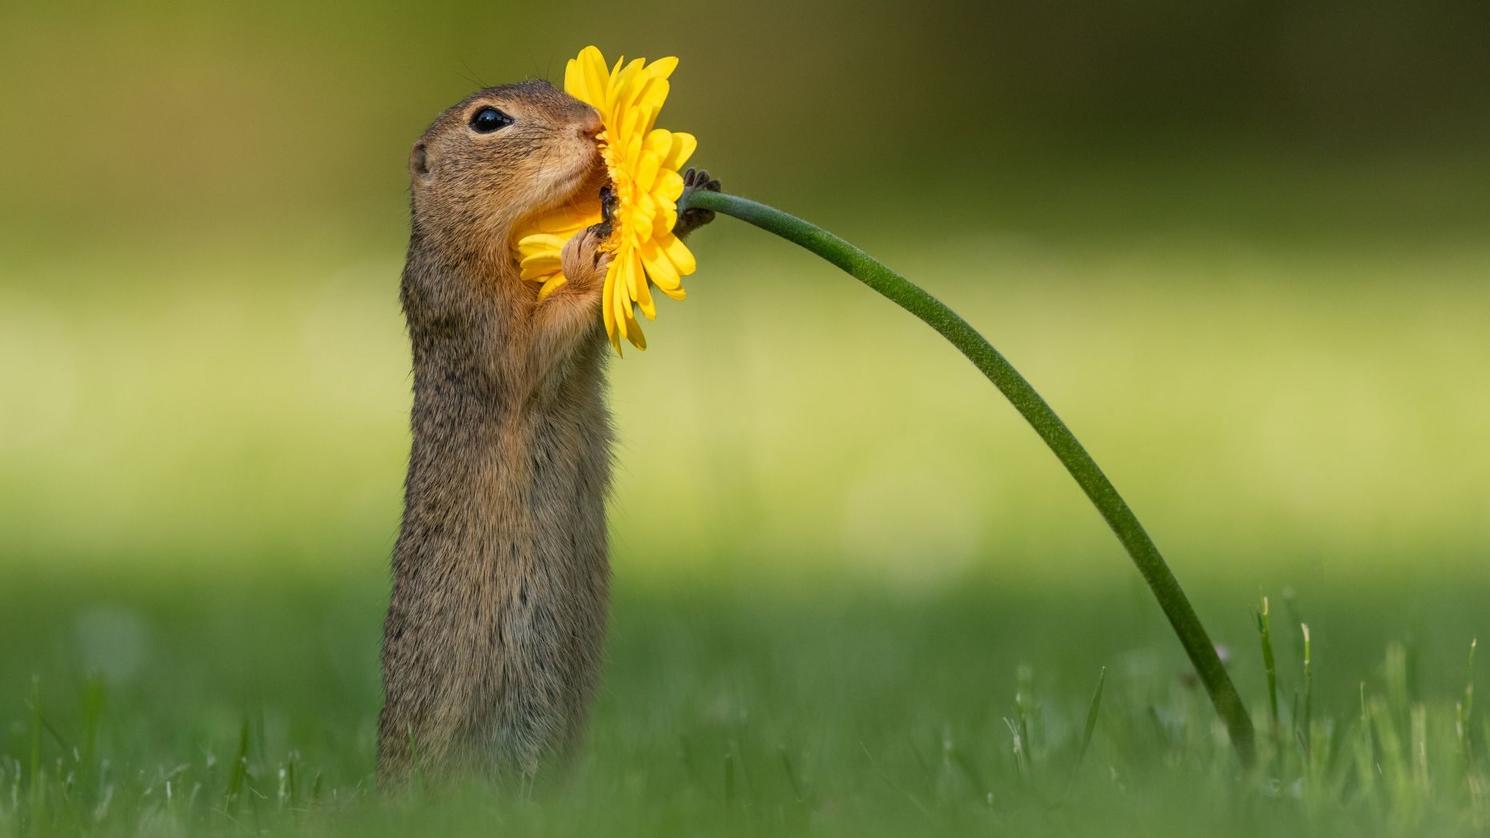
(565, 319)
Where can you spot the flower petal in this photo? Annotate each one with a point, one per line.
(663, 67)
(660, 143)
(646, 169)
(660, 269)
(592, 69)
(634, 331)
(607, 304)
(644, 299)
(665, 221)
(545, 262)
(679, 254)
(683, 147)
(669, 186)
(537, 243)
(551, 286)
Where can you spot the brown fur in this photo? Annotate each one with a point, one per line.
(493, 641)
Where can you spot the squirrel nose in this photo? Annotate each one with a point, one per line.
(590, 124)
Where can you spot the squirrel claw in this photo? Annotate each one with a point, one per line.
(608, 202)
(692, 219)
(584, 257)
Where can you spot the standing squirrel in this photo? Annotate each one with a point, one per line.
(493, 641)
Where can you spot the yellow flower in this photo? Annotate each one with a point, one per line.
(643, 162)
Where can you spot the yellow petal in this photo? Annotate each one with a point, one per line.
(646, 170)
(612, 83)
(551, 286)
(634, 277)
(642, 212)
(663, 67)
(634, 331)
(607, 304)
(683, 148)
(568, 218)
(660, 269)
(627, 140)
(592, 68)
(621, 300)
(538, 276)
(660, 143)
(644, 299)
(669, 185)
(665, 221)
(679, 254)
(542, 263)
(574, 81)
(625, 80)
(649, 104)
(538, 243)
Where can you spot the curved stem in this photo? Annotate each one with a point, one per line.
(1041, 417)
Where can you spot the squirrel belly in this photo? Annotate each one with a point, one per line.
(495, 633)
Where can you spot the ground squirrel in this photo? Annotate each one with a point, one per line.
(493, 640)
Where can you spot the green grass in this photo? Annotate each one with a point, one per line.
(741, 705)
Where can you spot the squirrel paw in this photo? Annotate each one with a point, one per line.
(585, 259)
(692, 219)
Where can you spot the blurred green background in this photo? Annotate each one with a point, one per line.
(1240, 246)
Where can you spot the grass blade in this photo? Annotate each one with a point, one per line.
(1465, 707)
(1307, 716)
(238, 776)
(729, 779)
(1269, 663)
(37, 798)
(1091, 720)
(791, 774)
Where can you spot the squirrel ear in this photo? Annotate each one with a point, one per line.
(419, 162)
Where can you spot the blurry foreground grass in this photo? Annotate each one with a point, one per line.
(740, 705)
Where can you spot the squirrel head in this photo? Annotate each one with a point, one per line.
(502, 155)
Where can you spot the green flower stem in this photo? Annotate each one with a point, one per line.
(1033, 408)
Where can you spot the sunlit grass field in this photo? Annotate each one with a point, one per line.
(854, 593)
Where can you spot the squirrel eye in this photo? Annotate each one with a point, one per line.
(489, 119)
